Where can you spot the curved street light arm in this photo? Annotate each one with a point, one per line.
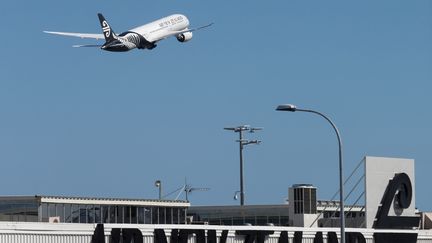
(293, 108)
(342, 206)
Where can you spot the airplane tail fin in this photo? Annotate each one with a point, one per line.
(107, 31)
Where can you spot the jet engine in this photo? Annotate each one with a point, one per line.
(187, 36)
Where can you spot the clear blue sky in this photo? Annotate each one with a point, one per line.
(84, 122)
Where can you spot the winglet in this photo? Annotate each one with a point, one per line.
(108, 32)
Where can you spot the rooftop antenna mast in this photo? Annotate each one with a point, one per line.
(242, 142)
(187, 188)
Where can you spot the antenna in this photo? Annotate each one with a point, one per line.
(187, 189)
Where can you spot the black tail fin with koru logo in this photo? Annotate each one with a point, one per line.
(107, 31)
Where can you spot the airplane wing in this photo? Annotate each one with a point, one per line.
(81, 35)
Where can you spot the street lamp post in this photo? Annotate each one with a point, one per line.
(293, 108)
(158, 184)
(242, 142)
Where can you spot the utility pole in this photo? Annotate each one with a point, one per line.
(242, 142)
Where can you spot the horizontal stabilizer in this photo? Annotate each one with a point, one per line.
(86, 46)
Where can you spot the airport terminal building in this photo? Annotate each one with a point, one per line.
(92, 210)
(386, 216)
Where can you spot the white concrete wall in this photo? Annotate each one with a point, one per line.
(15, 232)
(378, 172)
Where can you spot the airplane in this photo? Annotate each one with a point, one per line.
(142, 37)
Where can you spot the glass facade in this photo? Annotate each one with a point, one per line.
(31, 210)
(119, 214)
(19, 210)
(245, 220)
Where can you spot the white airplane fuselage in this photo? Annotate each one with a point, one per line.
(162, 28)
